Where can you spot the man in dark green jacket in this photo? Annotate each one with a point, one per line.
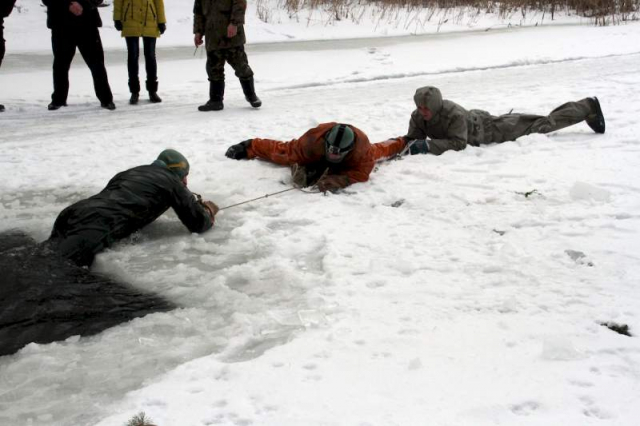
(221, 23)
(74, 24)
(6, 7)
(439, 125)
(131, 200)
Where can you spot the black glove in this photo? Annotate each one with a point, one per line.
(162, 28)
(239, 151)
(118, 25)
(419, 146)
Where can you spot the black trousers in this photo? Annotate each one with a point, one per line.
(64, 42)
(1, 40)
(133, 53)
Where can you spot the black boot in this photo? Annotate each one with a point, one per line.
(596, 121)
(250, 92)
(216, 95)
(134, 85)
(55, 105)
(1, 108)
(152, 88)
(134, 88)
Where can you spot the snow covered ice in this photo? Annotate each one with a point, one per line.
(436, 293)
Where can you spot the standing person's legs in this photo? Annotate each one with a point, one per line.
(2, 40)
(151, 66)
(90, 47)
(133, 53)
(150, 62)
(215, 71)
(63, 45)
(215, 64)
(1, 49)
(238, 60)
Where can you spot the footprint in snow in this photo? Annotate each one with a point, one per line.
(525, 408)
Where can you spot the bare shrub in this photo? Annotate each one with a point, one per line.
(603, 12)
(140, 419)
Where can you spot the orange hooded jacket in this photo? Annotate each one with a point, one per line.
(310, 148)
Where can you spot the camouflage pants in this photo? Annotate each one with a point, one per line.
(235, 56)
(509, 127)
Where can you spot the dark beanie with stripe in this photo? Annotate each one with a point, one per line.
(174, 161)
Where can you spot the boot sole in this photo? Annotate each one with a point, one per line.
(203, 109)
(595, 124)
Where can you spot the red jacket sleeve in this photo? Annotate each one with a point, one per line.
(307, 149)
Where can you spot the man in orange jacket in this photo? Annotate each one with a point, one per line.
(331, 156)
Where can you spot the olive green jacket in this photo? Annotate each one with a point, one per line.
(140, 18)
(212, 17)
(451, 127)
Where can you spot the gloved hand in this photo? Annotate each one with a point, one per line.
(332, 183)
(118, 25)
(162, 28)
(419, 146)
(239, 151)
(211, 207)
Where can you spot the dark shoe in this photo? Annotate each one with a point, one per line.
(108, 105)
(54, 106)
(216, 95)
(211, 106)
(1, 108)
(154, 98)
(250, 92)
(596, 121)
(134, 98)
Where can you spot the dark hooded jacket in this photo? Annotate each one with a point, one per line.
(212, 17)
(59, 16)
(131, 200)
(6, 7)
(451, 127)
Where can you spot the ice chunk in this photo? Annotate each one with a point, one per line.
(585, 191)
(560, 348)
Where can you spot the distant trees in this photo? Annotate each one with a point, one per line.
(603, 12)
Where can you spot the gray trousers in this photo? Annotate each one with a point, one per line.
(509, 127)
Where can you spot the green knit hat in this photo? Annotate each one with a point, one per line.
(174, 161)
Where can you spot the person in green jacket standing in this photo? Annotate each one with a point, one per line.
(221, 22)
(135, 19)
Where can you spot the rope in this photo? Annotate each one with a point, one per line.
(259, 198)
(306, 191)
